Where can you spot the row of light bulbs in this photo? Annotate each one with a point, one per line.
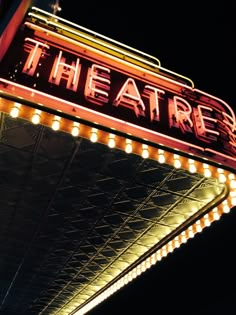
(113, 141)
(158, 255)
(36, 119)
(75, 130)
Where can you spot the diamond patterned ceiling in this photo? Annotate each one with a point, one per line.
(75, 214)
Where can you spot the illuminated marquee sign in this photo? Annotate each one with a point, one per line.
(63, 74)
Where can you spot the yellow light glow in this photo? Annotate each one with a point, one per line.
(226, 208)
(177, 163)
(176, 242)
(207, 172)
(161, 156)
(56, 123)
(94, 135)
(183, 237)
(207, 221)
(233, 183)
(158, 255)
(145, 152)
(222, 177)
(170, 247)
(192, 167)
(198, 226)
(15, 110)
(128, 146)
(75, 129)
(111, 141)
(36, 117)
(190, 231)
(216, 215)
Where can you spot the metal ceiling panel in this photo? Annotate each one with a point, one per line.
(74, 215)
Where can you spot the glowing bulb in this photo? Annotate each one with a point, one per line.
(75, 129)
(233, 201)
(190, 231)
(158, 255)
(233, 183)
(192, 167)
(176, 242)
(36, 117)
(207, 172)
(222, 177)
(143, 266)
(145, 152)
(170, 247)
(216, 215)
(231, 176)
(226, 208)
(198, 226)
(164, 251)
(138, 270)
(233, 197)
(161, 156)
(15, 110)
(177, 163)
(94, 135)
(207, 221)
(128, 146)
(111, 141)
(56, 123)
(153, 259)
(183, 237)
(148, 262)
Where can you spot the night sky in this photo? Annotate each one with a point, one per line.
(196, 40)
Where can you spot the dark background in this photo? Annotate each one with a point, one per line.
(197, 40)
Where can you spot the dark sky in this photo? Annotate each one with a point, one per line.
(196, 40)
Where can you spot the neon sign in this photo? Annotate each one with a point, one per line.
(69, 76)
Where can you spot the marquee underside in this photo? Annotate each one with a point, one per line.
(77, 216)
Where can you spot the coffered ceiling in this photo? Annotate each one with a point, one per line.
(76, 216)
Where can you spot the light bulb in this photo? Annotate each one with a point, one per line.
(56, 123)
(36, 117)
(177, 163)
(111, 141)
(161, 156)
(190, 231)
(198, 226)
(15, 110)
(192, 167)
(94, 135)
(226, 208)
(222, 177)
(128, 146)
(207, 172)
(233, 184)
(145, 152)
(216, 215)
(75, 129)
(207, 221)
